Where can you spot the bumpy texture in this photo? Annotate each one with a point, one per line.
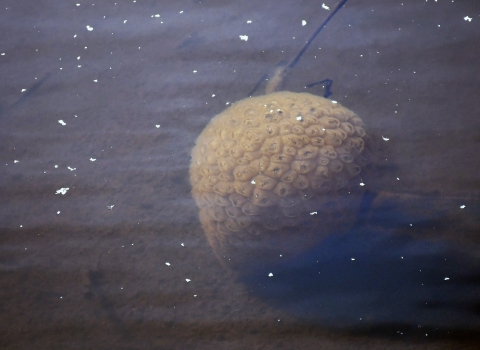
(274, 161)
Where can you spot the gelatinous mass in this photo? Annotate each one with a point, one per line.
(271, 163)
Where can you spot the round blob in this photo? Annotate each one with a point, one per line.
(272, 167)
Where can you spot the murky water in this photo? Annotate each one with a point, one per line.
(101, 245)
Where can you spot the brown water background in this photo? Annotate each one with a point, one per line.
(88, 268)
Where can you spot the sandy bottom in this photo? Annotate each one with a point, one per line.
(101, 246)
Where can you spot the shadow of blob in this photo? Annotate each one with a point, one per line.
(372, 277)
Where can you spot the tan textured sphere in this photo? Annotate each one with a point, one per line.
(274, 163)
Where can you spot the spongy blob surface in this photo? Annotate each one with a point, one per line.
(268, 162)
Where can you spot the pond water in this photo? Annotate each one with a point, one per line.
(101, 242)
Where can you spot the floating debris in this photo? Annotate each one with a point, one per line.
(62, 191)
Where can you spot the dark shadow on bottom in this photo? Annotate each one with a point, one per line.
(373, 278)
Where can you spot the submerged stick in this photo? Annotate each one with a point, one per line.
(281, 71)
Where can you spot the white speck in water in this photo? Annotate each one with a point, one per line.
(181, 12)
(243, 37)
(313, 213)
(362, 184)
(194, 295)
(62, 122)
(16, 161)
(213, 95)
(56, 166)
(93, 159)
(62, 191)
(89, 28)
(446, 278)
(325, 7)
(125, 21)
(304, 23)
(78, 4)
(167, 263)
(187, 279)
(352, 259)
(182, 244)
(270, 274)
(194, 71)
(466, 18)
(23, 90)
(333, 101)
(110, 207)
(385, 138)
(398, 178)
(22, 226)
(462, 207)
(157, 126)
(253, 182)
(249, 21)
(95, 80)
(71, 169)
